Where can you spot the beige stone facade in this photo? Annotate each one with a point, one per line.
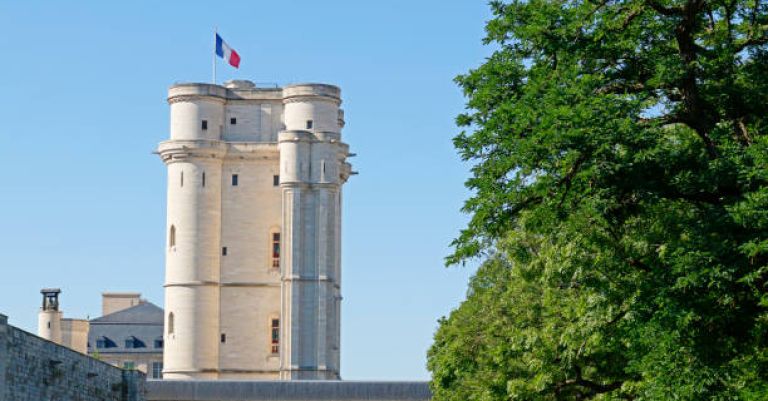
(52, 326)
(116, 301)
(253, 231)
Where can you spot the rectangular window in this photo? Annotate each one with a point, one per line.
(233, 121)
(130, 365)
(204, 126)
(129, 343)
(101, 344)
(157, 370)
(159, 343)
(224, 251)
(276, 250)
(234, 180)
(181, 179)
(223, 337)
(275, 345)
(309, 124)
(203, 178)
(275, 180)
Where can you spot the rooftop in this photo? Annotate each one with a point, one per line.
(134, 330)
(143, 313)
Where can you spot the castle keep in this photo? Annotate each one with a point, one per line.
(252, 286)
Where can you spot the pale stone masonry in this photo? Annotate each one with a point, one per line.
(252, 286)
(52, 326)
(112, 302)
(36, 369)
(130, 337)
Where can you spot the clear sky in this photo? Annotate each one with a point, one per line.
(82, 198)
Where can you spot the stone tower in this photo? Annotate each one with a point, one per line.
(252, 287)
(49, 317)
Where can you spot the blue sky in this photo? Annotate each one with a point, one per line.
(82, 198)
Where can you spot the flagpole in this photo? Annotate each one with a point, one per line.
(213, 54)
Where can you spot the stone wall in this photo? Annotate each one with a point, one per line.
(34, 369)
(300, 390)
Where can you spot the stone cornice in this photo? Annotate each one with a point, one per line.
(295, 277)
(250, 284)
(183, 149)
(311, 98)
(193, 284)
(190, 98)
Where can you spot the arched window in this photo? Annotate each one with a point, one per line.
(172, 236)
(274, 326)
(170, 323)
(275, 250)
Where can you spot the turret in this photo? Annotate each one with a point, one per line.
(312, 168)
(194, 158)
(197, 111)
(312, 107)
(49, 317)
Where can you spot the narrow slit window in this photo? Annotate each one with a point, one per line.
(234, 180)
(275, 180)
(224, 251)
(172, 236)
(309, 124)
(203, 178)
(204, 125)
(223, 337)
(275, 250)
(233, 121)
(170, 323)
(181, 179)
(275, 343)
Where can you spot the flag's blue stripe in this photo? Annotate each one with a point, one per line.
(219, 47)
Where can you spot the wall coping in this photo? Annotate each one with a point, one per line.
(299, 390)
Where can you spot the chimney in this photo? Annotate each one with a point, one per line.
(112, 302)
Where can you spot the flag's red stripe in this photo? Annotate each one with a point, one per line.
(234, 59)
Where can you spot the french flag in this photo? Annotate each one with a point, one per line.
(227, 53)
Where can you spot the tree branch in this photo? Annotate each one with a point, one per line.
(663, 120)
(568, 179)
(668, 11)
(592, 387)
(750, 41)
(621, 88)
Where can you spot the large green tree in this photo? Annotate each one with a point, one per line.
(620, 208)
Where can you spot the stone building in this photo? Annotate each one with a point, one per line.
(252, 286)
(52, 326)
(129, 336)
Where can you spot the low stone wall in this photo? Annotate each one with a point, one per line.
(34, 369)
(172, 390)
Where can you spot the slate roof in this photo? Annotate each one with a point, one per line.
(143, 324)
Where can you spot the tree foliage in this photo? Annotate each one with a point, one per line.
(621, 207)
